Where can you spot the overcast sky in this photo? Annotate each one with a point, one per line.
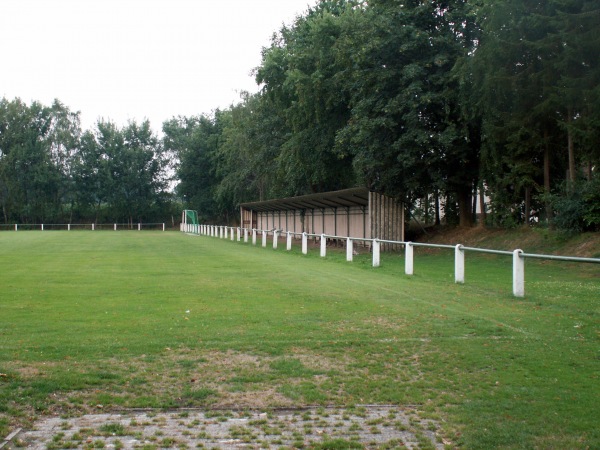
(135, 59)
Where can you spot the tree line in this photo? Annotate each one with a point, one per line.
(53, 172)
(429, 102)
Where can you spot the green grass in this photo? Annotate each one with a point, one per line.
(126, 319)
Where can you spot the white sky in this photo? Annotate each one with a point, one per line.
(135, 59)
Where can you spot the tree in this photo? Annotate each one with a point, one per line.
(406, 133)
(535, 74)
(248, 154)
(303, 85)
(195, 140)
(120, 173)
(30, 177)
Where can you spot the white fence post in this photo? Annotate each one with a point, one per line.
(349, 250)
(42, 227)
(304, 243)
(245, 234)
(239, 231)
(16, 227)
(275, 238)
(163, 226)
(139, 227)
(253, 236)
(264, 238)
(408, 261)
(376, 253)
(323, 246)
(289, 241)
(115, 227)
(459, 264)
(518, 274)
(69, 227)
(93, 227)
(226, 233)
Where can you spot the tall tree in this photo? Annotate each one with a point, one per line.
(535, 71)
(405, 132)
(195, 140)
(300, 74)
(30, 179)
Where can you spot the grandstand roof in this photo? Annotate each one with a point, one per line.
(344, 198)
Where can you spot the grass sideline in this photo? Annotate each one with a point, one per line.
(126, 319)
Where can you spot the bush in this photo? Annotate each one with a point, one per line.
(578, 208)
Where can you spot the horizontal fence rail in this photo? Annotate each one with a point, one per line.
(81, 226)
(518, 256)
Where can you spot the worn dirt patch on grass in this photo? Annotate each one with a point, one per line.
(361, 427)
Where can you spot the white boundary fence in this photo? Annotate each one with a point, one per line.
(82, 226)
(518, 255)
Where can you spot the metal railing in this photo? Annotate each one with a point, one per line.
(518, 256)
(80, 226)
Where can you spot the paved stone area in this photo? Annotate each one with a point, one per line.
(325, 428)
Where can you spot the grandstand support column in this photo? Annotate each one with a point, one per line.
(275, 238)
(376, 253)
(264, 238)
(289, 241)
(253, 236)
(323, 246)
(518, 273)
(304, 243)
(459, 264)
(349, 250)
(408, 262)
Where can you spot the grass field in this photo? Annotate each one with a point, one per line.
(167, 320)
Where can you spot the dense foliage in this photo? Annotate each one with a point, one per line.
(52, 172)
(430, 102)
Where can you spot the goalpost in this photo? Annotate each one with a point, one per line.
(189, 221)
